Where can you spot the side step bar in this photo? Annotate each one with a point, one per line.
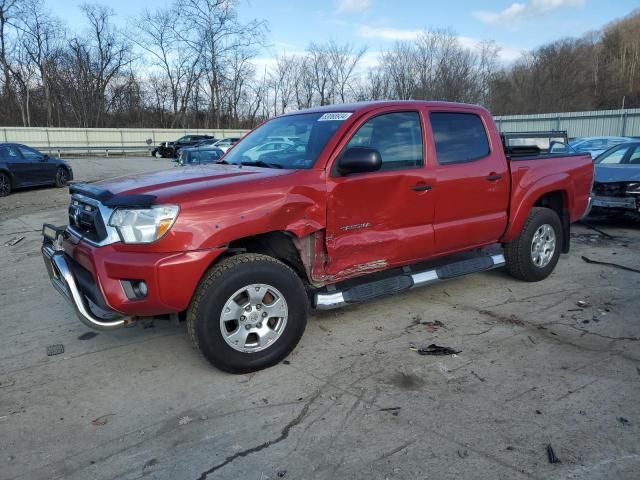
(378, 288)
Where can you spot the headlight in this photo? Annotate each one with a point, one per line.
(144, 225)
(633, 189)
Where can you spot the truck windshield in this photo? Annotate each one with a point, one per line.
(291, 141)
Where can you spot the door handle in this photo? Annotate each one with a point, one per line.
(421, 187)
(493, 177)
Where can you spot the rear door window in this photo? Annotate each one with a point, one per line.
(614, 157)
(634, 159)
(9, 153)
(459, 137)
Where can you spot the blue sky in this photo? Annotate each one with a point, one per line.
(293, 24)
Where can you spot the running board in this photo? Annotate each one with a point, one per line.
(378, 288)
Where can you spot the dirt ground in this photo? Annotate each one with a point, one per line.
(536, 367)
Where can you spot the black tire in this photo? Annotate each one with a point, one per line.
(216, 288)
(518, 253)
(5, 184)
(62, 177)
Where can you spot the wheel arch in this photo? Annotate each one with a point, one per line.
(557, 200)
(7, 172)
(279, 244)
(554, 192)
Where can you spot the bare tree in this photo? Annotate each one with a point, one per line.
(194, 66)
(42, 38)
(304, 83)
(282, 81)
(343, 60)
(399, 66)
(215, 31)
(93, 63)
(156, 33)
(319, 64)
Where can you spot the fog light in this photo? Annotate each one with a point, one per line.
(135, 289)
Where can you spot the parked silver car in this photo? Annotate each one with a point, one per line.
(596, 145)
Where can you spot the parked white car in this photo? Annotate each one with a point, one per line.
(226, 143)
(264, 149)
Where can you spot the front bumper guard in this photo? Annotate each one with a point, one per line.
(65, 283)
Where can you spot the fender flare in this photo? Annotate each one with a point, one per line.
(521, 207)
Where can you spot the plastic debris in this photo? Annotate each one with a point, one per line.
(551, 455)
(147, 466)
(623, 420)
(100, 421)
(582, 304)
(437, 350)
(433, 326)
(14, 241)
(281, 473)
(184, 420)
(56, 349)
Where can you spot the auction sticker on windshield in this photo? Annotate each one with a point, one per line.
(334, 116)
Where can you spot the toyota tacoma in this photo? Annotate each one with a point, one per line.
(379, 198)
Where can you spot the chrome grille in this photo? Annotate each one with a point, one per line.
(89, 220)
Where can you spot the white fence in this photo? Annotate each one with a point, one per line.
(116, 139)
(577, 124)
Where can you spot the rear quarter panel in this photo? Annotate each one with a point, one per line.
(533, 178)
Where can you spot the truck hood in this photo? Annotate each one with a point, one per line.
(617, 173)
(169, 183)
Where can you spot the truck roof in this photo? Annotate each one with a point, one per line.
(359, 107)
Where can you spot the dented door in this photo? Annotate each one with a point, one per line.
(384, 218)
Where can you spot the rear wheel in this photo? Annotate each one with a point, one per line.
(62, 177)
(5, 185)
(248, 313)
(534, 254)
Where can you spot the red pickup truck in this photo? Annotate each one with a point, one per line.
(322, 207)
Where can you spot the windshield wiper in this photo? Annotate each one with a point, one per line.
(260, 163)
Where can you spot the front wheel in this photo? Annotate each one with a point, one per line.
(249, 312)
(534, 254)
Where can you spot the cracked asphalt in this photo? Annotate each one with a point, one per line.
(353, 400)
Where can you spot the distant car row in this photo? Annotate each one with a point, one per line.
(172, 149)
(617, 161)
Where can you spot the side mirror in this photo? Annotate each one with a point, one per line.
(45, 158)
(359, 160)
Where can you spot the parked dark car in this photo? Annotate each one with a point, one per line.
(171, 149)
(199, 155)
(617, 179)
(22, 166)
